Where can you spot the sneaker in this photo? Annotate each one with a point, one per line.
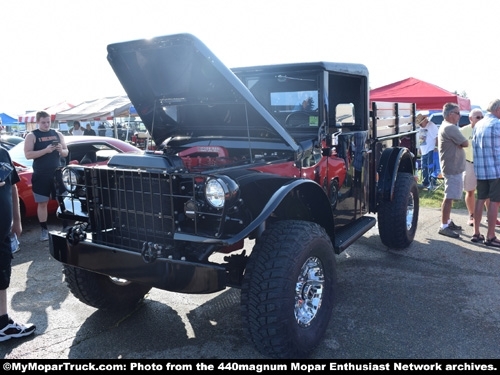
(14, 243)
(454, 226)
(15, 330)
(448, 232)
(44, 236)
(470, 222)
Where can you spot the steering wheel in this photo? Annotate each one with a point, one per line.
(297, 119)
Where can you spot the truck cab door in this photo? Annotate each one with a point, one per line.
(351, 147)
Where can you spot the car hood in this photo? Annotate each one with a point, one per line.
(177, 84)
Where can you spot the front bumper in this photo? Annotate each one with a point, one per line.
(163, 273)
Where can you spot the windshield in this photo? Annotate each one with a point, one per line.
(17, 154)
(291, 99)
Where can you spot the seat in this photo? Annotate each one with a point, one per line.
(436, 176)
(89, 158)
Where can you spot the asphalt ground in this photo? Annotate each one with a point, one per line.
(438, 299)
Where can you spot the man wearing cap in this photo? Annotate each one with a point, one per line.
(428, 134)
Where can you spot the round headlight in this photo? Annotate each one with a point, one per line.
(215, 192)
(69, 179)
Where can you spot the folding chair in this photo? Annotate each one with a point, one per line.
(436, 177)
(418, 170)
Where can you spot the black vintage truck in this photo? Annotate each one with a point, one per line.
(293, 158)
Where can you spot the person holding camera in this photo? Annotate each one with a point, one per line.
(46, 147)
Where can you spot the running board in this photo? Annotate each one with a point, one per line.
(348, 234)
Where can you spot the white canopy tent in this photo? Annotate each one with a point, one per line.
(99, 109)
(29, 118)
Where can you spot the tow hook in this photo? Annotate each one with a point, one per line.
(76, 233)
(150, 251)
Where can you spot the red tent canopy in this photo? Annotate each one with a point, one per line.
(425, 95)
(52, 111)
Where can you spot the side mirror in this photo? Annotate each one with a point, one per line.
(344, 115)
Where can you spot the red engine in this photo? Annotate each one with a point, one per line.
(201, 157)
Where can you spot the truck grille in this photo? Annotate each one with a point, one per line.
(128, 208)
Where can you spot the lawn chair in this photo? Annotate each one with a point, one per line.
(436, 177)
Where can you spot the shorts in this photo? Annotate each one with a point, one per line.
(43, 187)
(470, 181)
(488, 189)
(40, 198)
(453, 186)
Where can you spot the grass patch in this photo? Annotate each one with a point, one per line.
(433, 199)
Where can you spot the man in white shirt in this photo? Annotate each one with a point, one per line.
(428, 134)
(77, 129)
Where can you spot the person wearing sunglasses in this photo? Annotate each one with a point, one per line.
(470, 180)
(451, 144)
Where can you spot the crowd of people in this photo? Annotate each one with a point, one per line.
(77, 129)
(469, 162)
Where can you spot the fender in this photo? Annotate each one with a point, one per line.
(317, 203)
(392, 161)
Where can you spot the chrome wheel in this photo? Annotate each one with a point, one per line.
(410, 211)
(309, 291)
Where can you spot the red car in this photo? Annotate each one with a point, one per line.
(82, 150)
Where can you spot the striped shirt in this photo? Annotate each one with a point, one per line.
(486, 148)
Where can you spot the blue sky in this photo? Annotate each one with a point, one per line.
(55, 50)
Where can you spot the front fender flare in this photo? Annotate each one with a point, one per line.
(310, 194)
(316, 200)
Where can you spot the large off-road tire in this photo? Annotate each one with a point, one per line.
(397, 220)
(103, 292)
(288, 289)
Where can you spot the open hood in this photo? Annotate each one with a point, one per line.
(180, 89)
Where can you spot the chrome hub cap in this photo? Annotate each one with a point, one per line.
(309, 291)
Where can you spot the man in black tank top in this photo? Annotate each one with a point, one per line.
(45, 146)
